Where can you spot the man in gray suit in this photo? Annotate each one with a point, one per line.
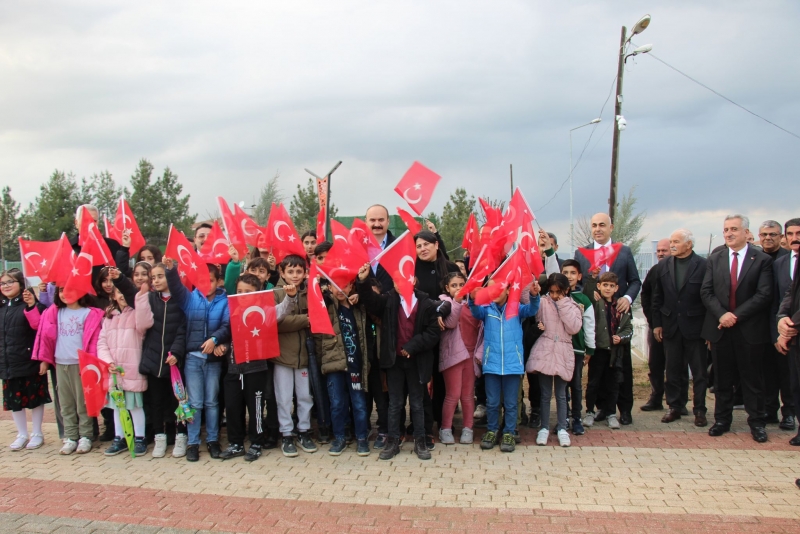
(624, 267)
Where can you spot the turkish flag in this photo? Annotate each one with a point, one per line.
(529, 247)
(518, 212)
(79, 281)
(38, 257)
(417, 186)
(513, 275)
(94, 378)
(215, 247)
(411, 223)
(235, 232)
(339, 232)
(362, 234)
(254, 326)
(61, 263)
(399, 259)
(89, 232)
(602, 256)
(250, 231)
(344, 259)
(493, 216)
(470, 233)
(125, 221)
(282, 234)
(110, 231)
(317, 310)
(481, 268)
(321, 219)
(191, 266)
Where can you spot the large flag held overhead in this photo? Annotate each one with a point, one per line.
(250, 230)
(89, 232)
(470, 233)
(94, 379)
(215, 248)
(411, 223)
(399, 259)
(493, 215)
(254, 326)
(529, 247)
(512, 275)
(235, 233)
(344, 259)
(481, 268)
(282, 234)
(191, 266)
(318, 316)
(38, 257)
(79, 280)
(417, 186)
(125, 221)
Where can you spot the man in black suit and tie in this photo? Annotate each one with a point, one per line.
(378, 221)
(737, 293)
(629, 285)
(678, 314)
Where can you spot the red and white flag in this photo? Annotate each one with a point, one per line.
(361, 233)
(493, 215)
(318, 316)
(529, 247)
(250, 231)
(399, 259)
(417, 186)
(321, 220)
(191, 266)
(513, 275)
(518, 211)
(125, 221)
(282, 234)
(232, 227)
(215, 247)
(254, 326)
(89, 232)
(481, 268)
(339, 232)
(79, 281)
(109, 231)
(603, 256)
(470, 233)
(411, 223)
(344, 259)
(38, 257)
(94, 379)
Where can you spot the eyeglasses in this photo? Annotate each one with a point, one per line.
(6, 284)
(771, 234)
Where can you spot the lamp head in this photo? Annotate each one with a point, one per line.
(640, 26)
(595, 121)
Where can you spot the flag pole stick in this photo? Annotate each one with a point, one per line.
(384, 251)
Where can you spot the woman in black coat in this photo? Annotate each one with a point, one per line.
(24, 382)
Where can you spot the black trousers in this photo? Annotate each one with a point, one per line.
(480, 391)
(777, 386)
(439, 390)
(656, 363)
(793, 358)
(602, 383)
(534, 392)
(625, 396)
(379, 397)
(575, 389)
(737, 361)
(246, 392)
(682, 353)
(162, 405)
(405, 375)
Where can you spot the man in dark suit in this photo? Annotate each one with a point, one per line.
(678, 313)
(784, 272)
(737, 293)
(378, 221)
(629, 285)
(655, 349)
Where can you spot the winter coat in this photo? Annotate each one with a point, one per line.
(583, 341)
(602, 334)
(254, 366)
(452, 349)
(552, 354)
(293, 330)
(167, 335)
(502, 338)
(204, 319)
(330, 349)
(120, 343)
(17, 335)
(44, 350)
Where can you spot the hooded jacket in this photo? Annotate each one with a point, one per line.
(120, 343)
(502, 338)
(293, 329)
(552, 354)
(44, 349)
(331, 348)
(452, 349)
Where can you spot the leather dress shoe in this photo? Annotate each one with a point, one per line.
(787, 423)
(759, 434)
(795, 441)
(672, 415)
(773, 419)
(625, 418)
(651, 406)
(717, 429)
(600, 415)
(684, 411)
(700, 420)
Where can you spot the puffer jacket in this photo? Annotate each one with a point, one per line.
(331, 348)
(293, 330)
(17, 336)
(204, 319)
(452, 349)
(502, 338)
(167, 335)
(552, 354)
(44, 349)
(120, 343)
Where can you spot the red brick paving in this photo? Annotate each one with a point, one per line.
(234, 514)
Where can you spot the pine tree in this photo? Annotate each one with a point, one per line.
(628, 224)
(304, 207)
(53, 211)
(174, 207)
(270, 194)
(9, 226)
(106, 194)
(144, 201)
(455, 216)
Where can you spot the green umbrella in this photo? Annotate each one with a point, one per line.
(118, 396)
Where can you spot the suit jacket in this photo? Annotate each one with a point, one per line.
(380, 273)
(783, 283)
(790, 307)
(624, 267)
(753, 295)
(647, 294)
(682, 308)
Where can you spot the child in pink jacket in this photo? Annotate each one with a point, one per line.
(120, 346)
(552, 356)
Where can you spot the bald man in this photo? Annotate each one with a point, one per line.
(624, 267)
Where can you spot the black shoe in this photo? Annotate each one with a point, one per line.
(288, 447)
(380, 441)
(717, 429)
(232, 451)
(684, 411)
(214, 449)
(759, 434)
(535, 420)
(652, 406)
(362, 447)
(108, 434)
(773, 419)
(429, 443)
(192, 453)
(306, 443)
(253, 453)
(270, 442)
(624, 418)
(787, 423)
(600, 415)
(391, 449)
(337, 446)
(797, 482)
(421, 449)
(139, 446)
(324, 436)
(795, 441)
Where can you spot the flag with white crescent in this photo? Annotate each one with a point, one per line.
(514, 275)
(318, 316)
(125, 221)
(363, 235)
(247, 227)
(38, 257)
(283, 235)
(191, 266)
(417, 186)
(254, 326)
(235, 233)
(79, 281)
(400, 260)
(94, 379)
(215, 247)
(411, 223)
(90, 232)
(345, 258)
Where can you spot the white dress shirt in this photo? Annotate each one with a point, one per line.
(383, 247)
(742, 254)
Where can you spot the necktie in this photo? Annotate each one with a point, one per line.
(793, 271)
(734, 281)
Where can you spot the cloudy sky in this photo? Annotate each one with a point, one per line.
(227, 94)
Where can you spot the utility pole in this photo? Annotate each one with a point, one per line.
(612, 196)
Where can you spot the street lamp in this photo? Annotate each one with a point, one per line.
(571, 219)
(625, 39)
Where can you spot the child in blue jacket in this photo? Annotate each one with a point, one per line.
(503, 363)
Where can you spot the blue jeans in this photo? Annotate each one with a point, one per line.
(342, 397)
(503, 388)
(202, 385)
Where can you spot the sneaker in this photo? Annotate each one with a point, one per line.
(421, 448)
(139, 446)
(338, 445)
(37, 440)
(324, 436)
(535, 420)
(214, 449)
(541, 437)
(488, 440)
(19, 443)
(160, 447)
(69, 446)
(253, 453)
(517, 437)
(362, 447)
(391, 449)
(508, 444)
(480, 411)
(577, 428)
(380, 441)
(288, 447)
(588, 419)
(612, 421)
(306, 443)
(179, 451)
(563, 438)
(232, 451)
(192, 453)
(84, 445)
(466, 436)
(429, 443)
(446, 436)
